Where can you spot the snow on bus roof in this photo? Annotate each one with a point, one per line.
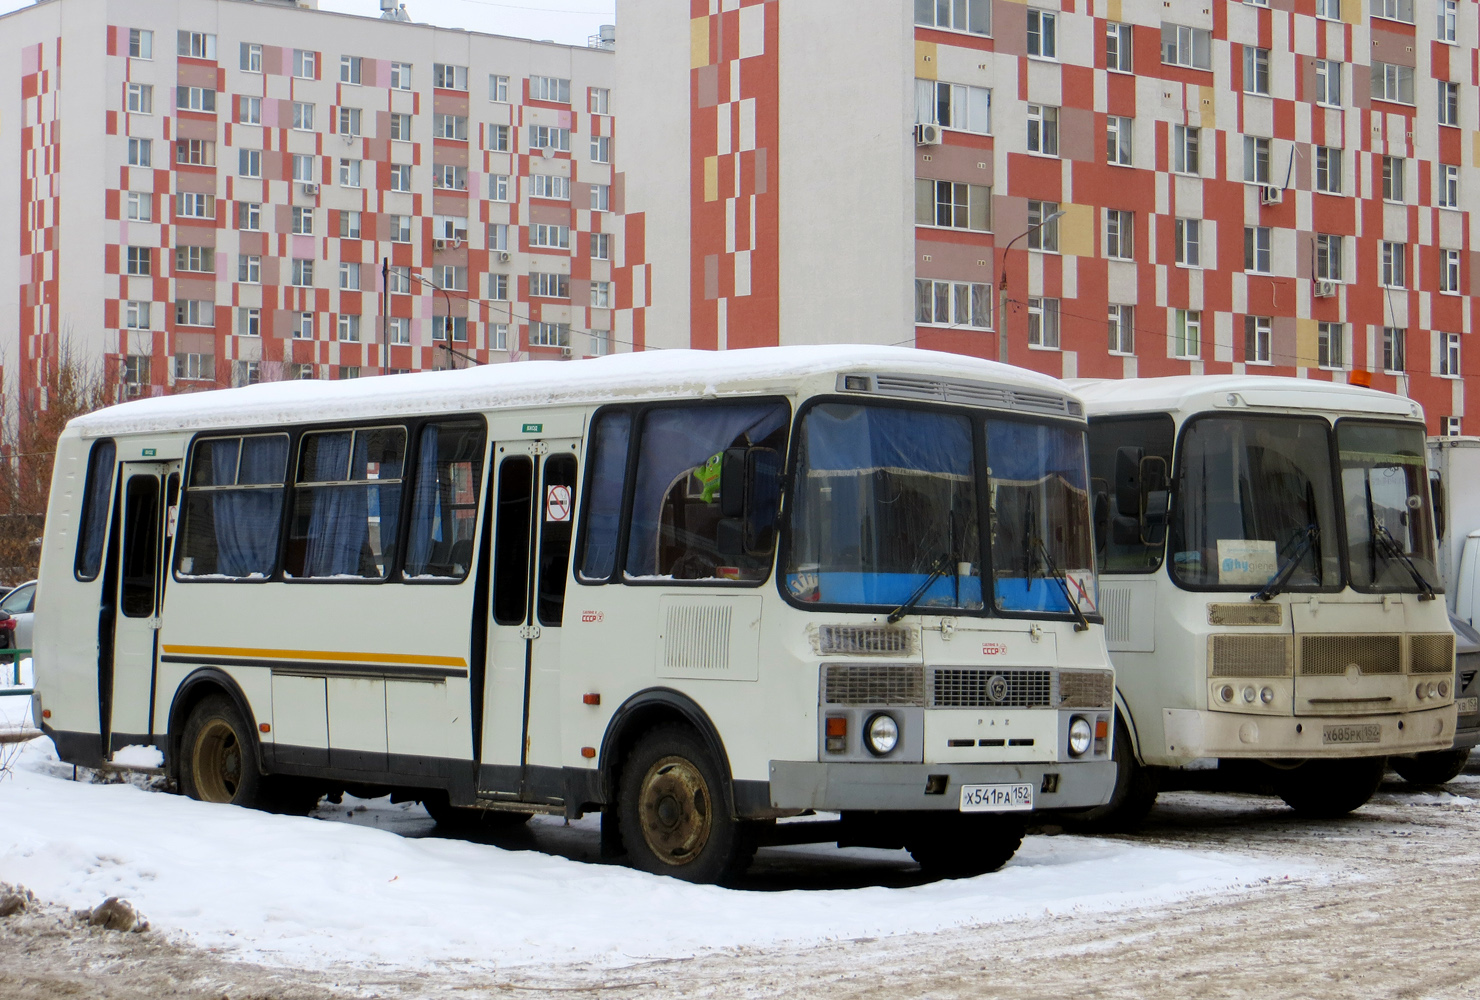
(531, 383)
(1184, 392)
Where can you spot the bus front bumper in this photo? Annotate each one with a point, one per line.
(836, 787)
(1191, 734)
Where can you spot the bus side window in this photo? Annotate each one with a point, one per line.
(233, 510)
(140, 547)
(1118, 534)
(444, 503)
(94, 519)
(511, 540)
(555, 536)
(601, 526)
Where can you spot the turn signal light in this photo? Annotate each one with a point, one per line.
(46, 713)
(1102, 729)
(836, 728)
(590, 699)
(588, 752)
(264, 727)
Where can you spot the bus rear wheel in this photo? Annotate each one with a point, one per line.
(218, 755)
(1433, 768)
(953, 845)
(1327, 789)
(673, 816)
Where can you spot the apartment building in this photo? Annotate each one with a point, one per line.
(215, 192)
(1094, 188)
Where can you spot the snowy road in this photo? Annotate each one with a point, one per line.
(1221, 896)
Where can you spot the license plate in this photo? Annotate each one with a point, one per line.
(1467, 706)
(1368, 733)
(997, 798)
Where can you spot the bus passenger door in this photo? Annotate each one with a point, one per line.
(141, 567)
(534, 486)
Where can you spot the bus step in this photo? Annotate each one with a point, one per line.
(810, 832)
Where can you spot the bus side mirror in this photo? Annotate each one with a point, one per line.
(1436, 490)
(1128, 482)
(1154, 523)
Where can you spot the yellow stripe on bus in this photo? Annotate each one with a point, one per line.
(317, 654)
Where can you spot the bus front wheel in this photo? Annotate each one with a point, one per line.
(954, 845)
(673, 816)
(1326, 789)
(1134, 794)
(218, 755)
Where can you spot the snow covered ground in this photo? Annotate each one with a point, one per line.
(363, 885)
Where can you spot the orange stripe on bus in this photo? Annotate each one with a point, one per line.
(317, 654)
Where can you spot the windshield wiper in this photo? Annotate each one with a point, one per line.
(1393, 550)
(942, 563)
(1278, 581)
(1082, 623)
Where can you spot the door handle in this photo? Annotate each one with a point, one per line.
(529, 631)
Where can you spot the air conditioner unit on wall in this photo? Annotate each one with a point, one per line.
(503, 257)
(309, 188)
(1271, 195)
(927, 135)
(439, 244)
(1325, 289)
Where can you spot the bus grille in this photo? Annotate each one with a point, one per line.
(1086, 689)
(873, 684)
(1330, 655)
(1249, 656)
(1431, 654)
(865, 640)
(964, 688)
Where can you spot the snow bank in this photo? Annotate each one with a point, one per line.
(310, 893)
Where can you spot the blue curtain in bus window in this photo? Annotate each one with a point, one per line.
(248, 521)
(864, 439)
(604, 505)
(338, 529)
(679, 439)
(426, 522)
(1038, 476)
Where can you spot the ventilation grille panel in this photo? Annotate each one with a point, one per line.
(1247, 613)
(1249, 656)
(1115, 604)
(873, 684)
(965, 391)
(697, 638)
(1330, 655)
(967, 688)
(1431, 654)
(865, 640)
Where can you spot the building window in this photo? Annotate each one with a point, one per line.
(974, 16)
(249, 322)
(498, 138)
(398, 330)
(302, 116)
(601, 149)
(135, 373)
(249, 110)
(599, 101)
(1449, 271)
(498, 287)
(400, 76)
(1186, 142)
(953, 205)
(195, 312)
(1448, 19)
(349, 121)
(349, 276)
(449, 227)
(349, 69)
(195, 152)
(1043, 229)
(601, 246)
(1119, 230)
(1391, 82)
(601, 294)
(601, 197)
(953, 303)
(140, 206)
(140, 99)
(141, 152)
(498, 88)
(549, 186)
(499, 188)
(302, 275)
(349, 173)
(1043, 34)
(1448, 185)
(549, 88)
(1184, 46)
(1256, 70)
(1394, 349)
(549, 137)
(953, 105)
(1043, 323)
(249, 269)
(1328, 169)
(140, 43)
(200, 260)
(498, 236)
(1258, 335)
(197, 45)
(398, 280)
(1118, 140)
(1256, 160)
(303, 168)
(1122, 329)
(305, 64)
(136, 315)
(449, 127)
(192, 205)
(1328, 257)
(1449, 355)
(1257, 249)
(1395, 10)
(1393, 257)
(549, 286)
(195, 367)
(400, 226)
(549, 335)
(1393, 170)
(249, 216)
(349, 225)
(601, 343)
(303, 326)
(1331, 345)
(498, 337)
(449, 177)
(1328, 82)
(401, 128)
(1118, 47)
(1043, 129)
(552, 236)
(349, 329)
(139, 261)
(452, 277)
(1451, 426)
(1448, 103)
(446, 77)
(400, 177)
(1329, 9)
(302, 221)
(195, 99)
(1186, 334)
(1188, 234)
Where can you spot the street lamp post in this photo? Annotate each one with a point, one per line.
(1002, 286)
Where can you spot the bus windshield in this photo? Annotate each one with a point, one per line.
(1389, 524)
(886, 509)
(1253, 496)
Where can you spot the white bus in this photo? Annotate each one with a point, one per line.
(695, 591)
(1268, 582)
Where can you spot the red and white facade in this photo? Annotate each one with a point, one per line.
(1281, 187)
(205, 192)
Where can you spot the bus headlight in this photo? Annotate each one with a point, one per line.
(881, 734)
(1081, 734)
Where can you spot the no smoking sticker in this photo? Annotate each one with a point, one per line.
(557, 503)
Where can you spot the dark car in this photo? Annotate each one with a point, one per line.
(1438, 766)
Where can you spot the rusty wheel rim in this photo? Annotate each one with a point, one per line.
(675, 808)
(216, 763)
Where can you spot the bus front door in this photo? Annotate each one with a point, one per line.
(533, 490)
(140, 561)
